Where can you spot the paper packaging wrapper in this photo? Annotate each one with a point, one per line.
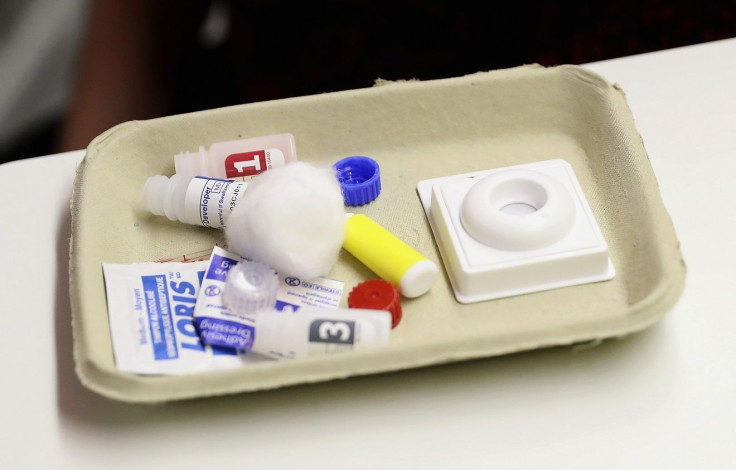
(416, 130)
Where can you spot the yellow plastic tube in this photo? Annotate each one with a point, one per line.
(388, 256)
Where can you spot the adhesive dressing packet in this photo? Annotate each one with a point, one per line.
(219, 325)
(151, 312)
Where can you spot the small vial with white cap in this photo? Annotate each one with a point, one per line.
(314, 331)
(388, 256)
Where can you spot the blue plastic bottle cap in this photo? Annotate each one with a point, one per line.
(360, 179)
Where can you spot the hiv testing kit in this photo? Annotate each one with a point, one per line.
(529, 187)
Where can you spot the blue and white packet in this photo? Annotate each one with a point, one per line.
(151, 313)
(218, 325)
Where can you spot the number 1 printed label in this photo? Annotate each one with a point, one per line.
(245, 164)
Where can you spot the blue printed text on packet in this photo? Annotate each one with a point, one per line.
(151, 313)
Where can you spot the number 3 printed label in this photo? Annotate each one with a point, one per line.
(331, 331)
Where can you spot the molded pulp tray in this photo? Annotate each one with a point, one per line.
(415, 130)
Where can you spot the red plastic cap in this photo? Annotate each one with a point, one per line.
(377, 294)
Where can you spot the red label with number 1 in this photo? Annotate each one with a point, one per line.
(246, 164)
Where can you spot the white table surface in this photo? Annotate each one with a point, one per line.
(662, 398)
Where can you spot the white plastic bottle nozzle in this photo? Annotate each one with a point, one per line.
(310, 331)
(250, 287)
(238, 159)
(192, 200)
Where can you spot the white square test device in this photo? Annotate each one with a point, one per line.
(515, 230)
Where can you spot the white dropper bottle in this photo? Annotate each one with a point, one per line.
(238, 159)
(192, 200)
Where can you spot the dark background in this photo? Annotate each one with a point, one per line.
(279, 49)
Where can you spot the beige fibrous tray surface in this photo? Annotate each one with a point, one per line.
(415, 130)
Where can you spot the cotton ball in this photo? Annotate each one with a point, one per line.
(291, 218)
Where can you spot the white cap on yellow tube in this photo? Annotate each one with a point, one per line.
(388, 256)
